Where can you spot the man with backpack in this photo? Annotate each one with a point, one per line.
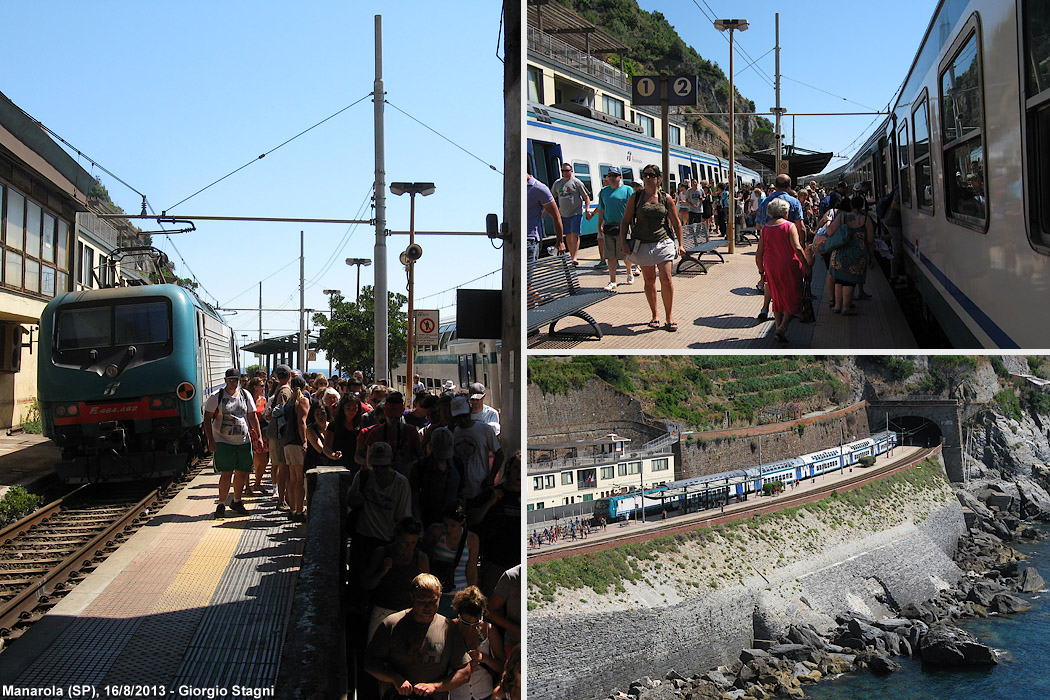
(232, 428)
(276, 419)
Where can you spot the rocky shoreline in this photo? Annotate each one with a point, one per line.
(994, 572)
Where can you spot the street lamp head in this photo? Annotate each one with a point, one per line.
(359, 261)
(738, 24)
(332, 291)
(423, 188)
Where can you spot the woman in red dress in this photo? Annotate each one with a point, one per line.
(782, 261)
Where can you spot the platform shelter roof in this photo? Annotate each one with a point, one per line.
(555, 19)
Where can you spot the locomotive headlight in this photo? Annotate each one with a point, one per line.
(72, 409)
(112, 371)
(60, 410)
(168, 402)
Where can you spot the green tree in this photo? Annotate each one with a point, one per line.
(348, 337)
(952, 369)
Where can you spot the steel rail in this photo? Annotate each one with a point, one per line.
(709, 519)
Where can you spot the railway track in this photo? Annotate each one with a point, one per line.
(45, 554)
(755, 508)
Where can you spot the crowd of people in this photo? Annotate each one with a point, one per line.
(433, 518)
(642, 227)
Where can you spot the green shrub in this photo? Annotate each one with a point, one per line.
(1006, 404)
(999, 367)
(31, 421)
(16, 504)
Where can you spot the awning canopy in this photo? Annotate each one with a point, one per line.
(801, 162)
(557, 20)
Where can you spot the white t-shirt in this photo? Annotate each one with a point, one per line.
(487, 414)
(230, 424)
(383, 506)
(472, 446)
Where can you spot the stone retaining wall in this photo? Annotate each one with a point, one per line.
(578, 657)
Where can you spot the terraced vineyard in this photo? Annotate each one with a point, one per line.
(699, 390)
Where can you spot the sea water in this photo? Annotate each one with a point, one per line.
(1023, 672)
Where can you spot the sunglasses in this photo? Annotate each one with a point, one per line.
(650, 175)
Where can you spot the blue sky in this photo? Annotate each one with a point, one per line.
(859, 51)
(170, 96)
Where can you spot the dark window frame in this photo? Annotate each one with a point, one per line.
(927, 158)
(972, 29)
(903, 167)
(1036, 169)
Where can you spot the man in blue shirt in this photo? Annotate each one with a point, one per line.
(538, 199)
(795, 216)
(612, 202)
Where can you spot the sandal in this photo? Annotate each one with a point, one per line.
(654, 324)
(671, 326)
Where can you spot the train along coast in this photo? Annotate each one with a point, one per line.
(658, 619)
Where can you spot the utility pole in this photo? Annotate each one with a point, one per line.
(382, 331)
(511, 355)
(302, 304)
(260, 313)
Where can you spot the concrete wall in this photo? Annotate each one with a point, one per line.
(578, 657)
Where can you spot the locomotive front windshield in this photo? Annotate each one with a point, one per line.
(115, 325)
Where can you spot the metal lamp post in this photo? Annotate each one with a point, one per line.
(409, 257)
(359, 262)
(330, 293)
(244, 355)
(739, 25)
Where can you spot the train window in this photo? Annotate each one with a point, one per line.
(628, 175)
(902, 163)
(648, 125)
(612, 106)
(962, 129)
(921, 145)
(83, 328)
(1037, 102)
(582, 172)
(139, 324)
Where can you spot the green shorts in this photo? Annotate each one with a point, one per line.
(232, 457)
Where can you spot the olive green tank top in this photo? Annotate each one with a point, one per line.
(650, 224)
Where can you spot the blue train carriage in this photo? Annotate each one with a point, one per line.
(884, 441)
(785, 471)
(593, 141)
(822, 462)
(852, 452)
(123, 377)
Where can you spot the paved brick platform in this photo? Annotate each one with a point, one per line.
(718, 310)
(189, 601)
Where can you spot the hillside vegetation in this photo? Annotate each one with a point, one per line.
(697, 391)
(655, 47)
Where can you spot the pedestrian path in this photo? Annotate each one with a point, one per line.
(718, 311)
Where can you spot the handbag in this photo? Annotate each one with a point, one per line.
(823, 243)
(805, 309)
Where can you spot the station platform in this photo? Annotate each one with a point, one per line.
(718, 310)
(25, 459)
(189, 606)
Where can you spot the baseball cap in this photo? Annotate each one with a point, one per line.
(477, 390)
(615, 170)
(460, 407)
(233, 373)
(282, 371)
(441, 443)
(380, 453)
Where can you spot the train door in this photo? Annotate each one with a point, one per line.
(685, 171)
(546, 160)
(692, 167)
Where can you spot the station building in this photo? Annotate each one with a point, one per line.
(563, 478)
(52, 242)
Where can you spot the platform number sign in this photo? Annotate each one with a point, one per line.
(680, 89)
(646, 90)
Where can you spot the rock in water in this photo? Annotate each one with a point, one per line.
(944, 645)
(1008, 604)
(1031, 581)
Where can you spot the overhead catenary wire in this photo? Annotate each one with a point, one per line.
(438, 133)
(260, 157)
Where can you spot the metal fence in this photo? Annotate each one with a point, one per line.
(560, 52)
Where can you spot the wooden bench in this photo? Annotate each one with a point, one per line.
(554, 293)
(697, 245)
